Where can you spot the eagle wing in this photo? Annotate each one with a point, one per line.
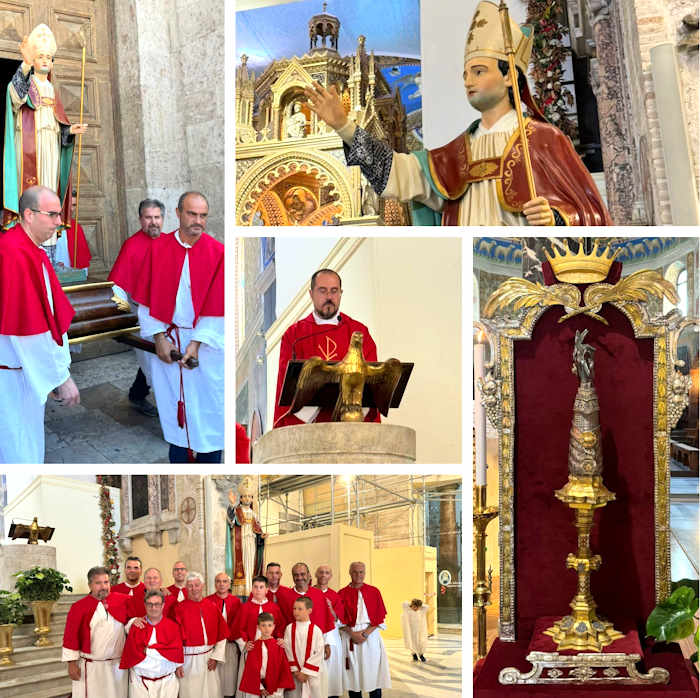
(384, 380)
(314, 374)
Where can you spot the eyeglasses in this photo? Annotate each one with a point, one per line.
(50, 214)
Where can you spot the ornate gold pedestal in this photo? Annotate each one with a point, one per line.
(6, 648)
(482, 589)
(42, 622)
(583, 629)
(589, 668)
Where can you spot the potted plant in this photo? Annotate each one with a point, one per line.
(11, 613)
(41, 587)
(674, 619)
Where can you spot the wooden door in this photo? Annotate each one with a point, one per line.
(101, 203)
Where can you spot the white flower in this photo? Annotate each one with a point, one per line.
(555, 117)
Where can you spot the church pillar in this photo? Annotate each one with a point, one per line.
(606, 80)
(449, 603)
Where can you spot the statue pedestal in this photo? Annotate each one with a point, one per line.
(16, 557)
(337, 442)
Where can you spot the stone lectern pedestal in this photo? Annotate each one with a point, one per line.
(15, 557)
(337, 442)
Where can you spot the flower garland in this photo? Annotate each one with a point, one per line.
(109, 539)
(548, 56)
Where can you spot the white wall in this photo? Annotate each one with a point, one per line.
(408, 293)
(444, 28)
(71, 506)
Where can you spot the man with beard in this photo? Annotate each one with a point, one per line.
(125, 275)
(205, 633)
(153, 652)
(179, 587)
(334, 663)
(325, 333)
(94, 638)
(131, 585)
(479, 178)
(180, 294)
(273, 572)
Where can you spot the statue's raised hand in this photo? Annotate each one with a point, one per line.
(326, 105)
(26, 51)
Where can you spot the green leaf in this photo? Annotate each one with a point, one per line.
(691, 583)
(672, 619)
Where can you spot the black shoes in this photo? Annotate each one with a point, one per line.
(415, 657)
(422, 658)
(144, 407)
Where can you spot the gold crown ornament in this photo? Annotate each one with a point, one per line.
(485, 37)
(582, 268)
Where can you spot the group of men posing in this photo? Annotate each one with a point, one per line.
(176, 284)
(144, 640)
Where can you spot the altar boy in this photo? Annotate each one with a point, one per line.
(303, 642)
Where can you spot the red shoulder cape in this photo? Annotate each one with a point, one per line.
(76, 635)
(246, 623)
(373, 603)
(127, 266)
(305, 339)
(333, 598)
(24, 305)
(320, 613)
(188, 614)
(136, 606)
(168, 643)
(233, 605)
(277, 675)
(83, 259)
(159, 279)
(559, 173)
(175, 591)
(122, 588)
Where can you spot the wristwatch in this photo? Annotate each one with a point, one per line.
(364, 634)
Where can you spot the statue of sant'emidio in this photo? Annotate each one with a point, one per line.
(245, 540)
(39, 139)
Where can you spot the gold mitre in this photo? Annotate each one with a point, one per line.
(582, 268)
(485, 38)
(42, 40)
(246, 487)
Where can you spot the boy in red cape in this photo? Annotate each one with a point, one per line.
(303, 643)
(153, 652)
(125, 274)
(229, 605)
(266, 671)
(367, 667)
(325, 333)
(180, 294)
(93, 640)
(34, 317)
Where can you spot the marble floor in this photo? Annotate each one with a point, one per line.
(104, 428)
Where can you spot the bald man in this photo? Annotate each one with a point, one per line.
(334, 663)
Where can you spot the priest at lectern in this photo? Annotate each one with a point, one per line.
(324, 333)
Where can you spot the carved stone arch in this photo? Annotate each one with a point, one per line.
(269, 171)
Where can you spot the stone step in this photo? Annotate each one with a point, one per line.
(50, 684)
(27, 639)
(31, 668)
(29, 652)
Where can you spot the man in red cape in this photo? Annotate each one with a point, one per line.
(479, 178)
(266, 667)
(125, 274)
(93, 640)
(367, 664)
(72, 253)
(320, 613)
(180, 294)
(152, 581)
(229, 605)
(334, 663)
(325, 333)
(245, 626)
(179, 587)
(205, 633)
(153, 652)
(34, 317)
(132, 572)
(273, 572)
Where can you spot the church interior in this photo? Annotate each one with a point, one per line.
(512, 337)
(406, 522)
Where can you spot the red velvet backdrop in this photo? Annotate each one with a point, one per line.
(623, 532)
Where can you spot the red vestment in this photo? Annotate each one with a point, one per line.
(320, 613)
(273, 595)
(124, 588)
(296, 665)
(168, 643)
(76, 635)
(305, 339)
(83, 259)
(373, 603)
(126, 269)
(335, 604)
(242, 445)
(175, 591)
(189, 614)
(559, 173)
(136, 606)
(160, 274)
(277, 674)
(246, 623)
(24, 305)
(233, 605)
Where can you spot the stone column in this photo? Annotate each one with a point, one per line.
(450, 603)
(606, 81)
